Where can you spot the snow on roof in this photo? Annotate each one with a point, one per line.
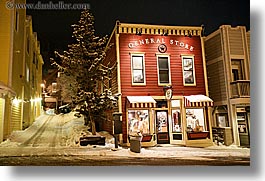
(141, 99)
(198, 98)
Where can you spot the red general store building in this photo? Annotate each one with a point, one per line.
(161, 74)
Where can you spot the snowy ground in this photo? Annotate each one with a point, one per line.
(57, 131)
(58, 135)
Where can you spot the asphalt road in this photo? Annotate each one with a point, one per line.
(118, 161)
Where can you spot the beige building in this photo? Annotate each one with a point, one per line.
(228, 69)
(20, 70)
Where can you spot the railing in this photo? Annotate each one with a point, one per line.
(240, 88)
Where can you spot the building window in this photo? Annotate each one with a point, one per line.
(195, 120)
(109, 77)
(163, 64)
(33, 81)
(17, 21)
(188, 70)
(222, 120)
(138, 69)
(37, 63)
(237, 70)
(176, 116)
(34, 58)
(235, 74)
(27, 73)
(54, 87)
(28, 44)
(138, 121)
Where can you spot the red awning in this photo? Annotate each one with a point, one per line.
(141, 102)
(197, 101)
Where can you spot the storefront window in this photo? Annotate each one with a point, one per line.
(176, 120)
(241, 120)
(138, 121)
(221, 120)
(176, 116)
(195, 120)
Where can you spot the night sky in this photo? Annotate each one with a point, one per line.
(54, 26)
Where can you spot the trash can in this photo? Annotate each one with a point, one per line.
(135, 143)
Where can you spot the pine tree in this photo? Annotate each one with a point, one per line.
(82, 64)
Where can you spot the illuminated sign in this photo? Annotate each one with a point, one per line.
(173, 42)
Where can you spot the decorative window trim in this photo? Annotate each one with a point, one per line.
(185, 82)
(143, 69)
(169, 72)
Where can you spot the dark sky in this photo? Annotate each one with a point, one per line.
(54, 26)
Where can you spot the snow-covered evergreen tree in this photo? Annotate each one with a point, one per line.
(82, 64)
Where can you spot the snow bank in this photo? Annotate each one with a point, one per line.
(63, 130)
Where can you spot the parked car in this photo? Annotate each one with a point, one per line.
(64, 109)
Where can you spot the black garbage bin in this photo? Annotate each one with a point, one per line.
(135, 143)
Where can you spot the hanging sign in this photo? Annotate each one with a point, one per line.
(168, 94)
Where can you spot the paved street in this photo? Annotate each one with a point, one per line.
(51, 140)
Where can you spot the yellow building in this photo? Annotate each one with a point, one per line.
(17, 71)
(228, 68)
(33, 65)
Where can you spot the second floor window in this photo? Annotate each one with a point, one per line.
(237, 70)
(163, 70)
(17, 21)
(188, 71)
(138, 69)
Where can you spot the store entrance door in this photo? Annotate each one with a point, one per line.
(162, 132)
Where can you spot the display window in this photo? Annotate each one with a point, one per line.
(138, 121)
(176, 120)
(242, 124)
(195, 120)
(176, 116)
(222, 120)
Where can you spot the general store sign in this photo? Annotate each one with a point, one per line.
(172, 42)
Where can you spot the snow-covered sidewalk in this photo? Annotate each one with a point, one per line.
(58, 136)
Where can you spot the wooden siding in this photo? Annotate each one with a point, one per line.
(1, 119)
(236, 41)
(110, 60)
(216, 81)
(248, 41)
(213, 48)
(150, 50)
